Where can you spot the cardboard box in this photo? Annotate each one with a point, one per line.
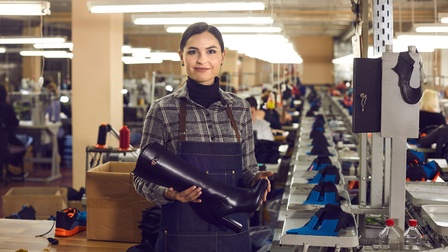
(45, 200)
(114, 209)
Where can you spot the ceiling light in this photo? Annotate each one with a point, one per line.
(173, 56)
(24, 8)
(138, 60)
(232, 29)
(2, 50)
(128, 49)
(254, 46)
(31, 40)
(47, 54)
(135, 6)
(67, 45)
(443, 17)
(433, 27)
(423, 40)
(186, 19)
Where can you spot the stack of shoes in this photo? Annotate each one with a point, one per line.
(70, 221)
(26, 213)
(327, 221)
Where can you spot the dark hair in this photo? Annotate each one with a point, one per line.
(252, 101)
(198, 28)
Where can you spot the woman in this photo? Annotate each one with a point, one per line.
(430, 114)
(209, 114)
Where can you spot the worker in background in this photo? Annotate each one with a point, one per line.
(430, 114)
(262, 127)
(274, 112)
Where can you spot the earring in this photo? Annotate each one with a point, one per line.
(183, 64)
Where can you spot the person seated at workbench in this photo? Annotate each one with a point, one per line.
(273, 113)
(438, 136)
(261, 126)
(430, 113)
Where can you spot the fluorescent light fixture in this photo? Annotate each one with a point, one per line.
(398, 46)
(136, 6)
(344, 60)
(2, 50)
(7, 66)
(443, 17)
(216, 19)
(47, 54)
(173, 56)
(402, 45)
(31, 40)
(232, 29)
(64, 99)
(137, 60)
(420, 40)
(24, 8)
(67, 45)
(433, 27)
(281, 51)
(129, 49)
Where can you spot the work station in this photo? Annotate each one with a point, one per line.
(332, 114)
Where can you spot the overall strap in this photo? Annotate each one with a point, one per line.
(183, 120)
(233, 122)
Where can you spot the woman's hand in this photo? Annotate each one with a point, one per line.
(263, 175)
(190, 194)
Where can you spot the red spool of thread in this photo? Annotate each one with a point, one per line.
(125, 138)
(102, 134)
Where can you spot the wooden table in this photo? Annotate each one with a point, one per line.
(20, 234)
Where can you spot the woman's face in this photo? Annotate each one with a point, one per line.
(202, 57)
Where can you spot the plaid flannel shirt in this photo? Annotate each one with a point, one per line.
(203, 125)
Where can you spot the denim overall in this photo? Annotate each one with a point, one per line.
(184, 227)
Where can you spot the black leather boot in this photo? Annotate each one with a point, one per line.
(404, 69)
(158, 165)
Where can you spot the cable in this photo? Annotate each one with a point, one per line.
(41, 235)
(41, 78)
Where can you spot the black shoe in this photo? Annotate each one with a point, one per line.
(26, 213)
(69, 222)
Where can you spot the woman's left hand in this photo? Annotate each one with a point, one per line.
(264, 175)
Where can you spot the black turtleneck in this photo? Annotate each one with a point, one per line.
(203, 94)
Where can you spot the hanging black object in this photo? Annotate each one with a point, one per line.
(367, 75)
(404, 69)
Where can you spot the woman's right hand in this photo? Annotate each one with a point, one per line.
(190, 194)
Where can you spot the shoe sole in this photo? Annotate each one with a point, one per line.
(65, 232)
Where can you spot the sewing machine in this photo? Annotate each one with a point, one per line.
(31, 106)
